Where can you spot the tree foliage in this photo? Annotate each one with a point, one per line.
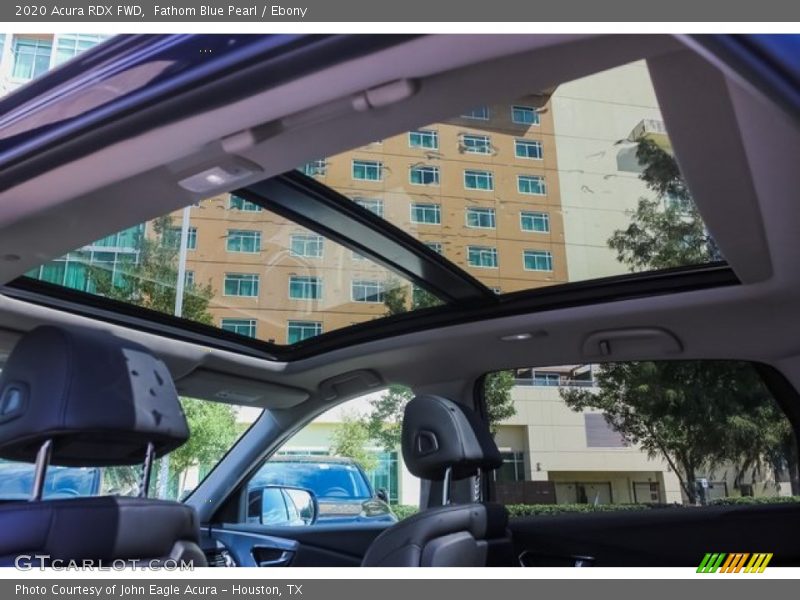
(666, 231)
(212, 431)
(351, 439)
(697, 415)
(150, 282)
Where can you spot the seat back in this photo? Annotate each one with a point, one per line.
(81, 397)
(444, 441)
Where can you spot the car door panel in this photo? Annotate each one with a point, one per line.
(317, 545)
(658, 537)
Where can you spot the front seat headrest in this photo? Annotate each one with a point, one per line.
(100, 399)
(439, 434)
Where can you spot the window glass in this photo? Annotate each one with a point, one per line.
(249, 272)
(682, 433)
(584, 171)
(350, 458)
(480, 113)
(31, 57)
(424, 138)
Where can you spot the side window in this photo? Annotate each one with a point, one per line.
(585, 438)
(349, 458)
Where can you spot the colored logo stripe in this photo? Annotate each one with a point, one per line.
(734, 563)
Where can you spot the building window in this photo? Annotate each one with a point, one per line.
(128, 239)
(424, 175)
(534, 221)
(70, 45)
(243, 240)
(481, 218)
(297, 331)
(245, 327)
(476, 144)
(372, 205)
(513, 467)
(31, 57)
(538, 260)
(173, 238)
(600, 433)
(525, 115)
(482, 256)
(479, 180)
(357, 256)
(531, 184)
(303, 287)
(237, 203)
(315, 167)
(435, 246)
(528, 149)
(362, 290)
(481, 113)
(429, 214)
(307, 245)
(188, 279)
(241, 284)
(424, 138)
(545, 379)
(367, 170)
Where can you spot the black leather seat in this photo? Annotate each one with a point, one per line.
(444, 441)
(79, 397)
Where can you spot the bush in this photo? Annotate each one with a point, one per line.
(404, 511)
(527, 510)
(747, 500)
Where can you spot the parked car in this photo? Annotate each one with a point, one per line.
(341, 487)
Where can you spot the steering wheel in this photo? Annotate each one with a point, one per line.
(69, 492)
(336, 491)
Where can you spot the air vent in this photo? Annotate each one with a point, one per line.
(219, 558)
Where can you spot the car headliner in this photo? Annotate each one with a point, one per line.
(737, 150)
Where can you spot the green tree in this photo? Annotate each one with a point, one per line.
(694, 414)
(151, 281)
(351, 439)
(212, 431)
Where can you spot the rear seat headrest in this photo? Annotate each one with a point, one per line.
(439, 434)
(100, 398)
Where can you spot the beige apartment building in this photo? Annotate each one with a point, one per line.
(520, 195)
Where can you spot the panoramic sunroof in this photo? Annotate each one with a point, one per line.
(575, 184)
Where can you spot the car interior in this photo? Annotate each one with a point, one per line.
(89, 150)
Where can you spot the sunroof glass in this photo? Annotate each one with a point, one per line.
(575, 184)
(245, 270)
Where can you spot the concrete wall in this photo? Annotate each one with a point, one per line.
(593, 118)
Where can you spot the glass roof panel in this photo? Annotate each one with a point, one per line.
(572, 184)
